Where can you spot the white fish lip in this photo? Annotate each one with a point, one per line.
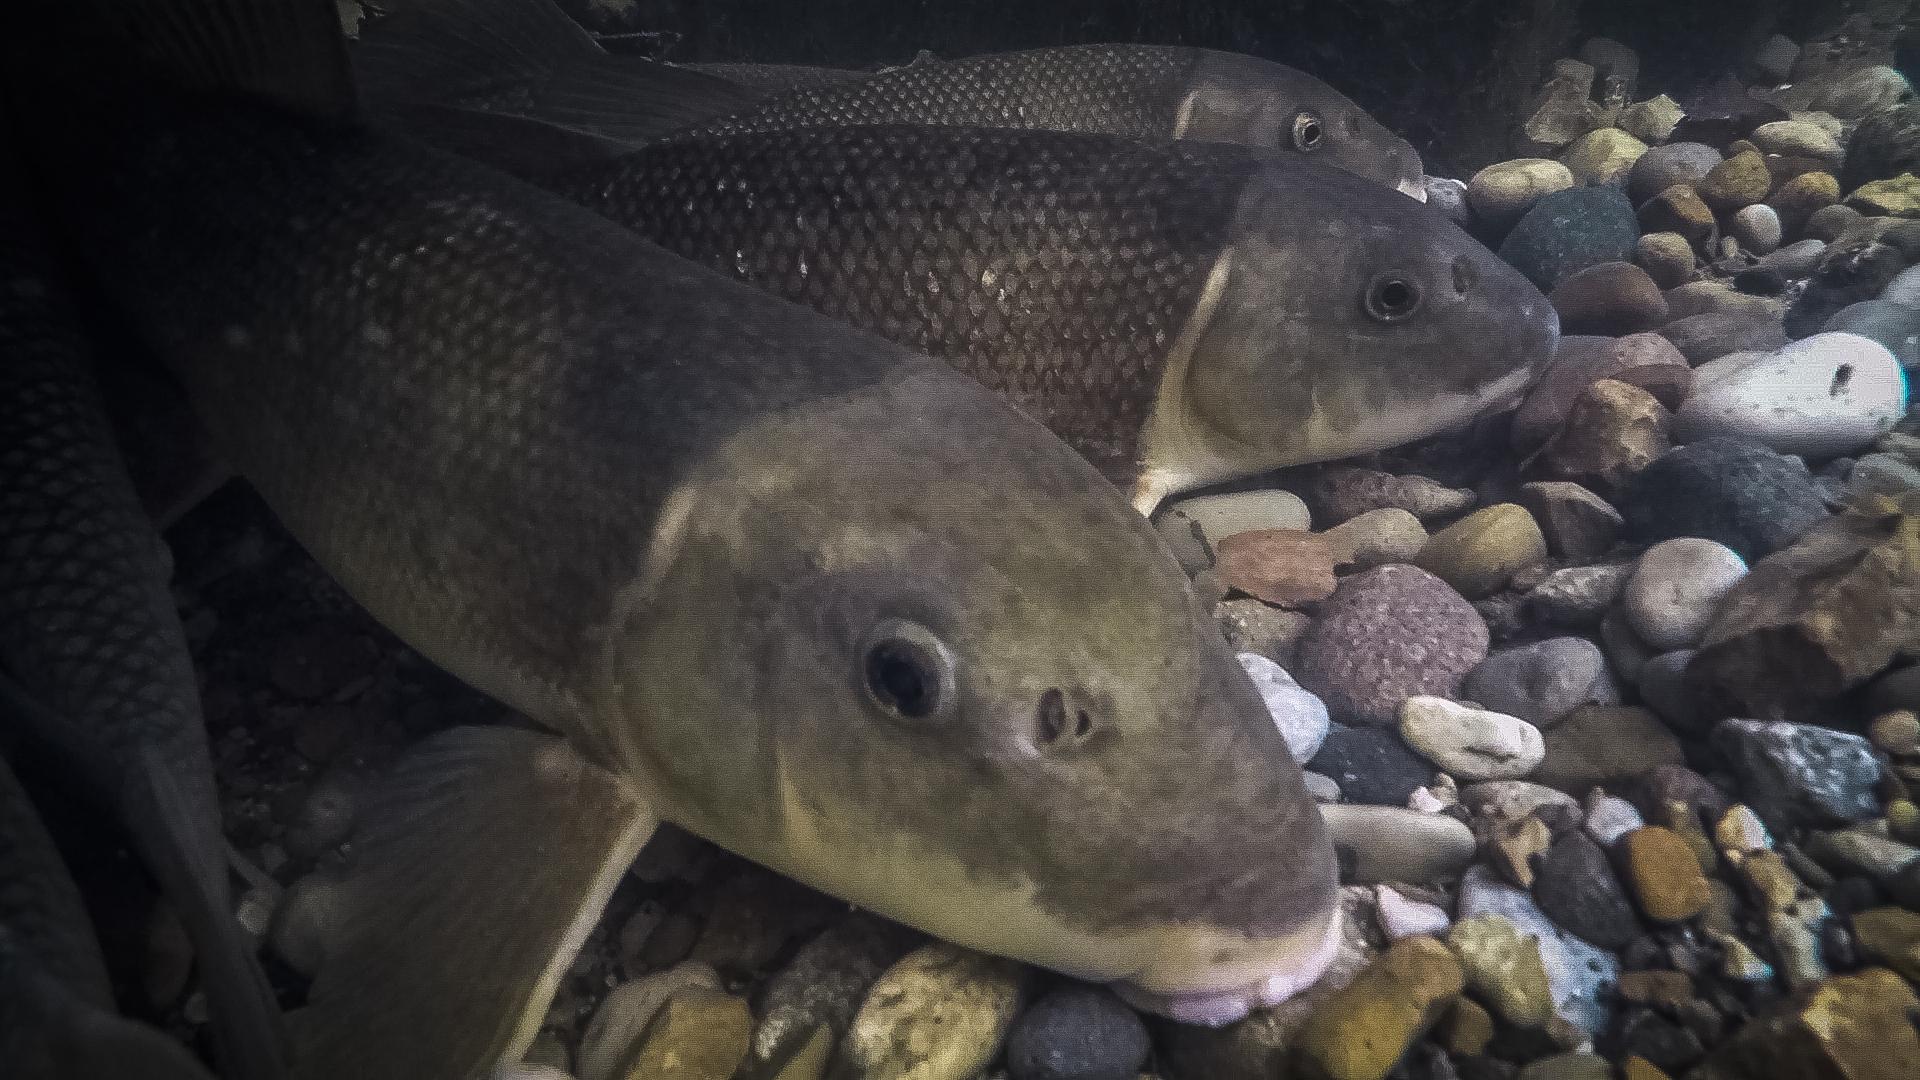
(1217, 1008)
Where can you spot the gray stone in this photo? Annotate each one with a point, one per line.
(1675, 589)
(1609, 818)
(1301, 717)
(822, 986)
(1579, 525)
(1391, 843)
(1739, 493)
(1757, 227)
(1791, 773)
(1664, 689)
(1371, 765)
(1077, 1032)
(1796, 260)
(1576, 886)
(1449, 197)
(1904, 288)
(1664, 166)
(1773, 61)
(1896, 326)
(1580, 976)
(1578, 596)
(1569, 231)
(1543, 681)
(1192, 526)
(1469, 743)
(1819, 397)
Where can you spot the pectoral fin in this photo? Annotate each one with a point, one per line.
(488, 858)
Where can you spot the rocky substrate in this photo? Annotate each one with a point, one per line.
(1608, 700)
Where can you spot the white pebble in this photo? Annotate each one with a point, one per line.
(1740, 832)
(1299, 714)
(1677, 587)
(1400, 917)
(1474, 744)
(1820, 397)
(1610, 817)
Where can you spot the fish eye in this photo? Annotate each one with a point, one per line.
(1392, 297)
(1308, 131)
(907, 670)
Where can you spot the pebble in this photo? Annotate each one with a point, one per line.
(1544, 681)
(1563, 108)
(1863, 851)
(1504, 967)
(1796, 260)
(1894, 326)
(1576, 886)
(1578, 525)
(1323, 788)
(1400, 917)
(1609, 298)
(1470, 743)
(1192, 527)
(1285, 567)
(1664, 689)
(1449, 197)
(1610, 817)
(1371, 765)
(1651, 121)
(1569, 231)
(1577, 1065)
(1481, 552)
(1377, 537)
(1797, 138)
(1386, 635)
(1502, 193)
(1362, 1031)
(938, 1014)
(1904, 288)
(1896, 732)
(1757, 227)
(1773, 61)
(1613, 431)
(1257, 627)
(1856, 1027)
(1720, 298)
(1664, 874)
(821, 988)
(1077, 1032)
(1391, 843)
(1678, 209)
(1861, 93)
(1578, 595)
(1342, 493)
(1733, 491)
(1675, 589)
(1830, 223)
(1624, 650)
(612, 1037)
(1740, 833)
(1301, 717)
(1801, 198)
(1467, 1029)
(1799, 772)
(1739, 181)
(1605, 744)
(1819, 396)
(1712, 334)
(1891, 936)
(1648, 361)
(1666, 257)
(1513, 799)
(1580, 976)
(1884, 144)
(1664, 166)
(1602, 156)
(697, 1034)
(1882, 474)
(306, 919)
(1897, 196)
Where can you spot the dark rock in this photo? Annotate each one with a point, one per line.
(1816, 620)
(1736, 492)
(1576, 886)
(1387, 635)
(1797, 773)
(1711, 335)
(1760, 281)
(1609, 298)
(1604, 745)
(1797, 260)
(1371, 765)
(1884, 145)
(1904, 886)
(1849, 272)
(1832, 221)
(1077, 1032)
(1579, 525)
(1544, 681)
(1721, 112)
(1646, 1034)
(1679, 784)
(1896, 326)
(1568, 231)
(1664, 166)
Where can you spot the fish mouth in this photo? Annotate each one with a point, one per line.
(1217, 1007)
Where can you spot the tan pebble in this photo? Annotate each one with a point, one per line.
(1481, 552)
(1515, 845)
(1772, 883)
(1665, 875)
(1361, 1031)
(1639, 1068)
(1467, 1029)
(1891, 935)
(1667, 989)
(1897, 732)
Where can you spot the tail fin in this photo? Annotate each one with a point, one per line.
(490, 855)
(527, 58)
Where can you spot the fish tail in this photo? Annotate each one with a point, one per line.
(250, 1034)
(488, 857)
(528, 59)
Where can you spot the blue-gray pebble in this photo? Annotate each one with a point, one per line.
(1570, 230)
(1896, 326)
(1077, 1032)
(1371, 765)
(1731, 490)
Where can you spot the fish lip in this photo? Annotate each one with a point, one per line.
(1222, 1006)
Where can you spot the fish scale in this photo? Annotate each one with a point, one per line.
(1053, 269)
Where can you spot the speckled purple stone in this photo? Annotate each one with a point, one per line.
(1388, 634)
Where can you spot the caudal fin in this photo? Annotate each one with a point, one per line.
(490, 854)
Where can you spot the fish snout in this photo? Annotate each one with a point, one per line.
(1219, 979)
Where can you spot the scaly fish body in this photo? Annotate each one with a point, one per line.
(1179, 312)
(817, 597)
(88, 630)
(779, 78)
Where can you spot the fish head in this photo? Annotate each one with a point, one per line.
(1240, 99)
(909, 649)
(1342, 320)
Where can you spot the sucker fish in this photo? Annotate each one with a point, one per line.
(57, 1015)
(1181, 313)
(805, 592)
(504, 55)
(89, 632)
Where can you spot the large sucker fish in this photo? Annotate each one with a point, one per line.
(1182, 313)
(807, 593)
(57, 1015)
(526, 58)
(90, 635)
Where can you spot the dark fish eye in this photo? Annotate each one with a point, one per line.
(907, 670)
(1308, 132)
(1392, 297)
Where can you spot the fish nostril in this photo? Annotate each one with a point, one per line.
(1053, 724)
(1462, 276)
